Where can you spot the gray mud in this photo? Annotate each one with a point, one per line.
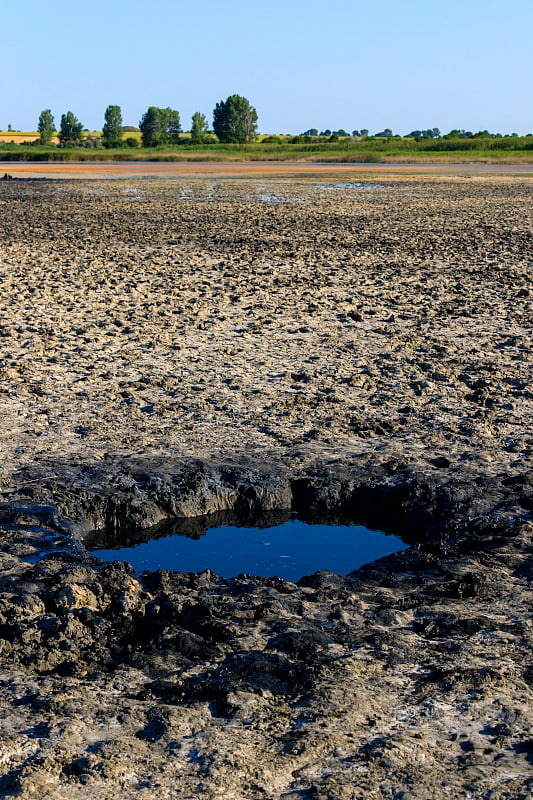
(357, 355)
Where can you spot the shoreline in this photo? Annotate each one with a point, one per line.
(173, 169)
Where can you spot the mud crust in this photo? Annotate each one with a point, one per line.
(414, 671)
(178, 349)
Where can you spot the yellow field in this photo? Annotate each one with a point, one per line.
(18, 137)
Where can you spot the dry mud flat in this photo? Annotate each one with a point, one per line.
(175, 348)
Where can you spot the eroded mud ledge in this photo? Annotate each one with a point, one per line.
(362, 352)
(412, 672)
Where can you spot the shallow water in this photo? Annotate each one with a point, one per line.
(289, 550)
(339, 187)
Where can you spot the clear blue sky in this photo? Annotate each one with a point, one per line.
(320, 63)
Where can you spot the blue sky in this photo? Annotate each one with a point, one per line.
(324, 64)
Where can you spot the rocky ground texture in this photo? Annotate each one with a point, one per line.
(348, 350)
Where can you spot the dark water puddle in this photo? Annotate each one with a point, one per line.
(288, 549)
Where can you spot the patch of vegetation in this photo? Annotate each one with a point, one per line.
(168, 143)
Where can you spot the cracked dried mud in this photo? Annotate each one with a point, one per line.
(182, 348)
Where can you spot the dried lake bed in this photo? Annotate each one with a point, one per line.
(354, 347)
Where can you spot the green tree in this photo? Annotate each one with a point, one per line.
(172, 126)
(235, 120)
(112, 130)
(149, 126)
(199, 128)
(160, 126)
(70, 130)
(46, 126)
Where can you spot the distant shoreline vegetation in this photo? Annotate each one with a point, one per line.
(233, 136)
(371, 150)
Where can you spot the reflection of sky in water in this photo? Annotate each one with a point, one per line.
(328, 187)
(212, 191)
(277, 199)
(289, 550)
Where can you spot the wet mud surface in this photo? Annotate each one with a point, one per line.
(180, 169)
(191, 348)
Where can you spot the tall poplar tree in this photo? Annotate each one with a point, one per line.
(46, 126)
(199, 128)
(112, 130)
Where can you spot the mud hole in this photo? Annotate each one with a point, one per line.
(360, 355)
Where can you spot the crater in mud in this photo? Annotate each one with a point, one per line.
(277, 544)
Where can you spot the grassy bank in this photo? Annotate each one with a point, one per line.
(371, 150)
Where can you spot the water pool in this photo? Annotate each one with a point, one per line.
(288, 550)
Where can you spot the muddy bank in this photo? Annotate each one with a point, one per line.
(282, 170)
(409, 676)
(182, 348)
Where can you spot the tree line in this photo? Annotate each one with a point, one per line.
(386, 133)
(234, 121)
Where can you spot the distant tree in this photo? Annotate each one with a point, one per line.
(112, 130)
(341, 132)
(386, 133)
(364, 131)
(149, 126)
(171, 125)
(430, 133)
(356, 133)
(311, 132)
(235, 120)
(199, 128)
(46, 126)
(327, 132)
(457, 133)
(70, 130)
(159, 126)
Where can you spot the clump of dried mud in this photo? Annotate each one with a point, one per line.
(172, 349)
